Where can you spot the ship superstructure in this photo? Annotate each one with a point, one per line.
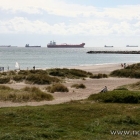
(27, 45)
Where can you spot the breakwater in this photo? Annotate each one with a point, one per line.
(115, 52)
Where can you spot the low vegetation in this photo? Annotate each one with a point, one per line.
(71, 121)
(100, 75)
(78, 86)
(42, 77)
(4, 80)
(24, 95)
(69, 73)
(57, 88)
(132, 71)
(117, 96)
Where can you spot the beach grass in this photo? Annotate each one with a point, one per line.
(78, 86)
(99, 75)
(69, 73)
(4, 80)
(117, 96)
(42, 77)
(71, 121)
(24, 95)
(58, 87)
(132, 71)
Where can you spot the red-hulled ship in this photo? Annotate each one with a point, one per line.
(53, 44)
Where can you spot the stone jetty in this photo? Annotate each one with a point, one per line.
(115, 52)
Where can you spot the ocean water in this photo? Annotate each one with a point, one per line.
(51, 58)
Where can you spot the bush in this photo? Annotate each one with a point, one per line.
(57, 88)
(40, 72)
(132, 71)
(79, 86)
(19, 78)
(69, 73)
(117, 96)
(4, 80)
(2, 87)
(99, 76)
(24, 95)
(41, 79)
(121, 88)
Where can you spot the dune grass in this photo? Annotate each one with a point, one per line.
(71, 121)
(4, 80)
(42, 77)
(99, 75)
(69, 73)
(57, 88)
(24, 95)
(117, 96)
(78, 86)
(132, 71)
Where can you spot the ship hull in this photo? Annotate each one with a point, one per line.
(66, 46)
(32, 46)
(5, 45)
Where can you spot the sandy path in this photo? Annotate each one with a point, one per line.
(92, 86)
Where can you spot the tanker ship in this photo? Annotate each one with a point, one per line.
(5, 45)
(108, 46)
(131, 46)
(53, 44)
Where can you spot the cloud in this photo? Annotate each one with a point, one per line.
(84, 20)
(97, 27)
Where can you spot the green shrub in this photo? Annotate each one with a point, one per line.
(4, 80)
(11, 72)
(57, 88)
(99, 76)
(41, 79)
(69, 73)
(23, 95)
(40, 72)
(132, 71)
(117, 96)
(2, 87)
(19, 78)
(121, 88)
(79, 86)
(3, 73)
(23, 72)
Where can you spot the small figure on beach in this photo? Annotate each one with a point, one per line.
(33, 67)
(104, 89)
(121, 65)
(7, 68)
(124, 65)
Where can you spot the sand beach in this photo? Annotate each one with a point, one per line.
(92, 86)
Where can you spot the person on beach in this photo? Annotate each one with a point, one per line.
(124, 65)
(104, 90)
(33, 67)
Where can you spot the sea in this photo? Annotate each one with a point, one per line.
(43, 58)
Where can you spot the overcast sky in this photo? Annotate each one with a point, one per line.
(94, 22)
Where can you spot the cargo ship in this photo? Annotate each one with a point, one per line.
(130, 46)
(5, 45)
(108, 46)
(28, 46)
(53, 44)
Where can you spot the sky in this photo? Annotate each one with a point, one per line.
(93, 22)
